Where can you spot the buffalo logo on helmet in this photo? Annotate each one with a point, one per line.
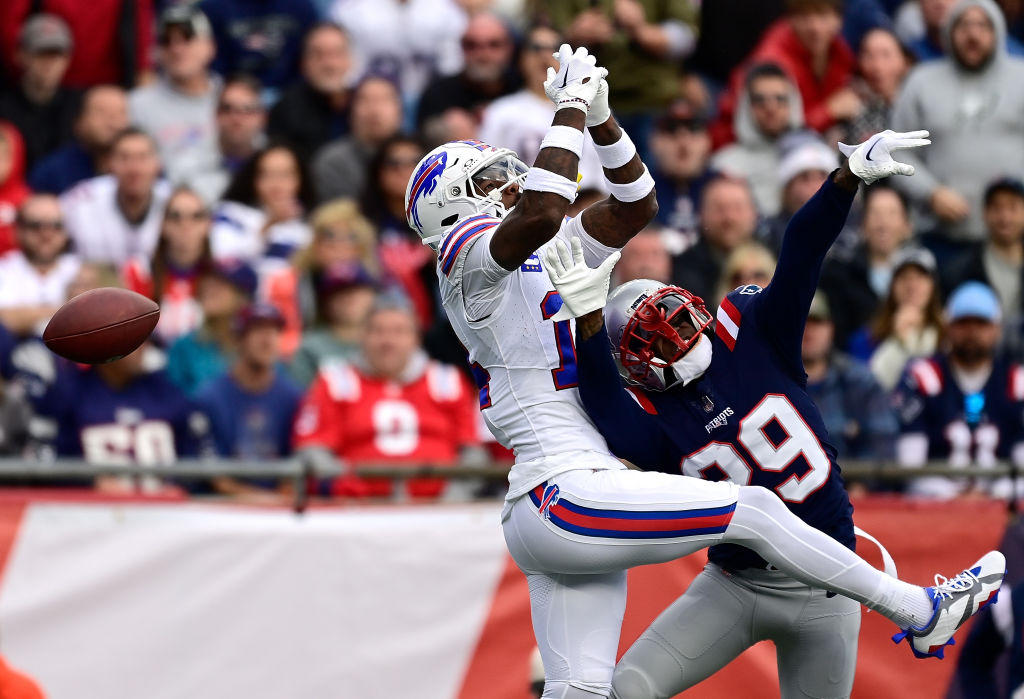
(424, 182)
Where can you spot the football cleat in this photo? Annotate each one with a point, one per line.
(954, 602)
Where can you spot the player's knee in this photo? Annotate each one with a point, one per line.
(573, 690)
(630, 682)
(760, 498)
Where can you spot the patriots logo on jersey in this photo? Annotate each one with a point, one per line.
(749, 289)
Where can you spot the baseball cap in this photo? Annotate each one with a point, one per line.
(258, 312)
(344, 275)
(681, 112)
(43, 33)
(808, 155)
(1004, 184)
(921, 257)
(238, 274)
(819, 309)
(189, 18)
(974, 300)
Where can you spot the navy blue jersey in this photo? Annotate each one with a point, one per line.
(960, 428)
(250, 425)
(149, 420)
(749, 418)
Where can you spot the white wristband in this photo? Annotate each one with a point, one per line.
(540, 180)
(616, 154)
(564, 137)
(632, 191)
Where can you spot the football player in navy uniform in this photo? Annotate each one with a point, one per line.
(731, 403)
(965, 405)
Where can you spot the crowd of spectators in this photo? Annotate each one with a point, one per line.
(245, 164)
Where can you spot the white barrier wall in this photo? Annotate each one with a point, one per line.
(137, 601)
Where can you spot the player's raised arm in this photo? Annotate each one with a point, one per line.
(632, 204)
(550, 185)
(816, 225)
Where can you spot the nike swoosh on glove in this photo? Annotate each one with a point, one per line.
(576, 82)
(872, 160)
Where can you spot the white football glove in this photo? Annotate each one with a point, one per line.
(599, 109)
(577, 80)
(582, 289)
(872, 160)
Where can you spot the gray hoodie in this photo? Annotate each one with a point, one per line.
(976, 120)
(754, 156)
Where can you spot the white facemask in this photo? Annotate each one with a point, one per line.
(694, 363)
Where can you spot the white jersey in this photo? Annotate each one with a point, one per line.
(99, 230)
(524, 363)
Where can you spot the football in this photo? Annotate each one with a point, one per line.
(101, 325)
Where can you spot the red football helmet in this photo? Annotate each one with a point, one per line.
(653, 314)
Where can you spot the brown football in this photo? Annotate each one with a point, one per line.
(101, 325)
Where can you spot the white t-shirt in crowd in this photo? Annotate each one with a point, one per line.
(413, 40)
(21, 284)
(99, 230)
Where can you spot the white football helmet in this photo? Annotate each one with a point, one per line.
(640, 312)
(443, 188)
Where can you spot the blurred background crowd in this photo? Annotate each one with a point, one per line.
(244, 164)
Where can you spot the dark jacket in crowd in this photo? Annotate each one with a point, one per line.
(304, 119)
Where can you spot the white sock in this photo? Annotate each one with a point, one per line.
(763, 524)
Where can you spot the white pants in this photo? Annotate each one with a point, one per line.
(576, 535)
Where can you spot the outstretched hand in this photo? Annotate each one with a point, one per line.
(872, 160)
(582, 289)
(577, 80)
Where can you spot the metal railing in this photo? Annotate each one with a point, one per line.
(299, 470)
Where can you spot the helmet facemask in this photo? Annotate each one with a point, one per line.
(508, 170)
(656, 318)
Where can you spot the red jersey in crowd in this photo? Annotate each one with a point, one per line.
(422, 419)
(180, 313)
(780, 45)
(13, 189)
(104, 31)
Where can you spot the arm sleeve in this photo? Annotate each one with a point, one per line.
(631, 432)
(484, 282)
(787, 299)
(594, 251)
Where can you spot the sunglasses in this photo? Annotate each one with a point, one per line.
(243, 109)
(39, 224)
(177, 216)
(761, 98)
(477, 45)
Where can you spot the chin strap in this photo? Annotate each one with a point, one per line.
(694, 363)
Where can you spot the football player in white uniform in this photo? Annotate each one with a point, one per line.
(575, 518)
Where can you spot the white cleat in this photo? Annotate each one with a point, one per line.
(955, 601)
